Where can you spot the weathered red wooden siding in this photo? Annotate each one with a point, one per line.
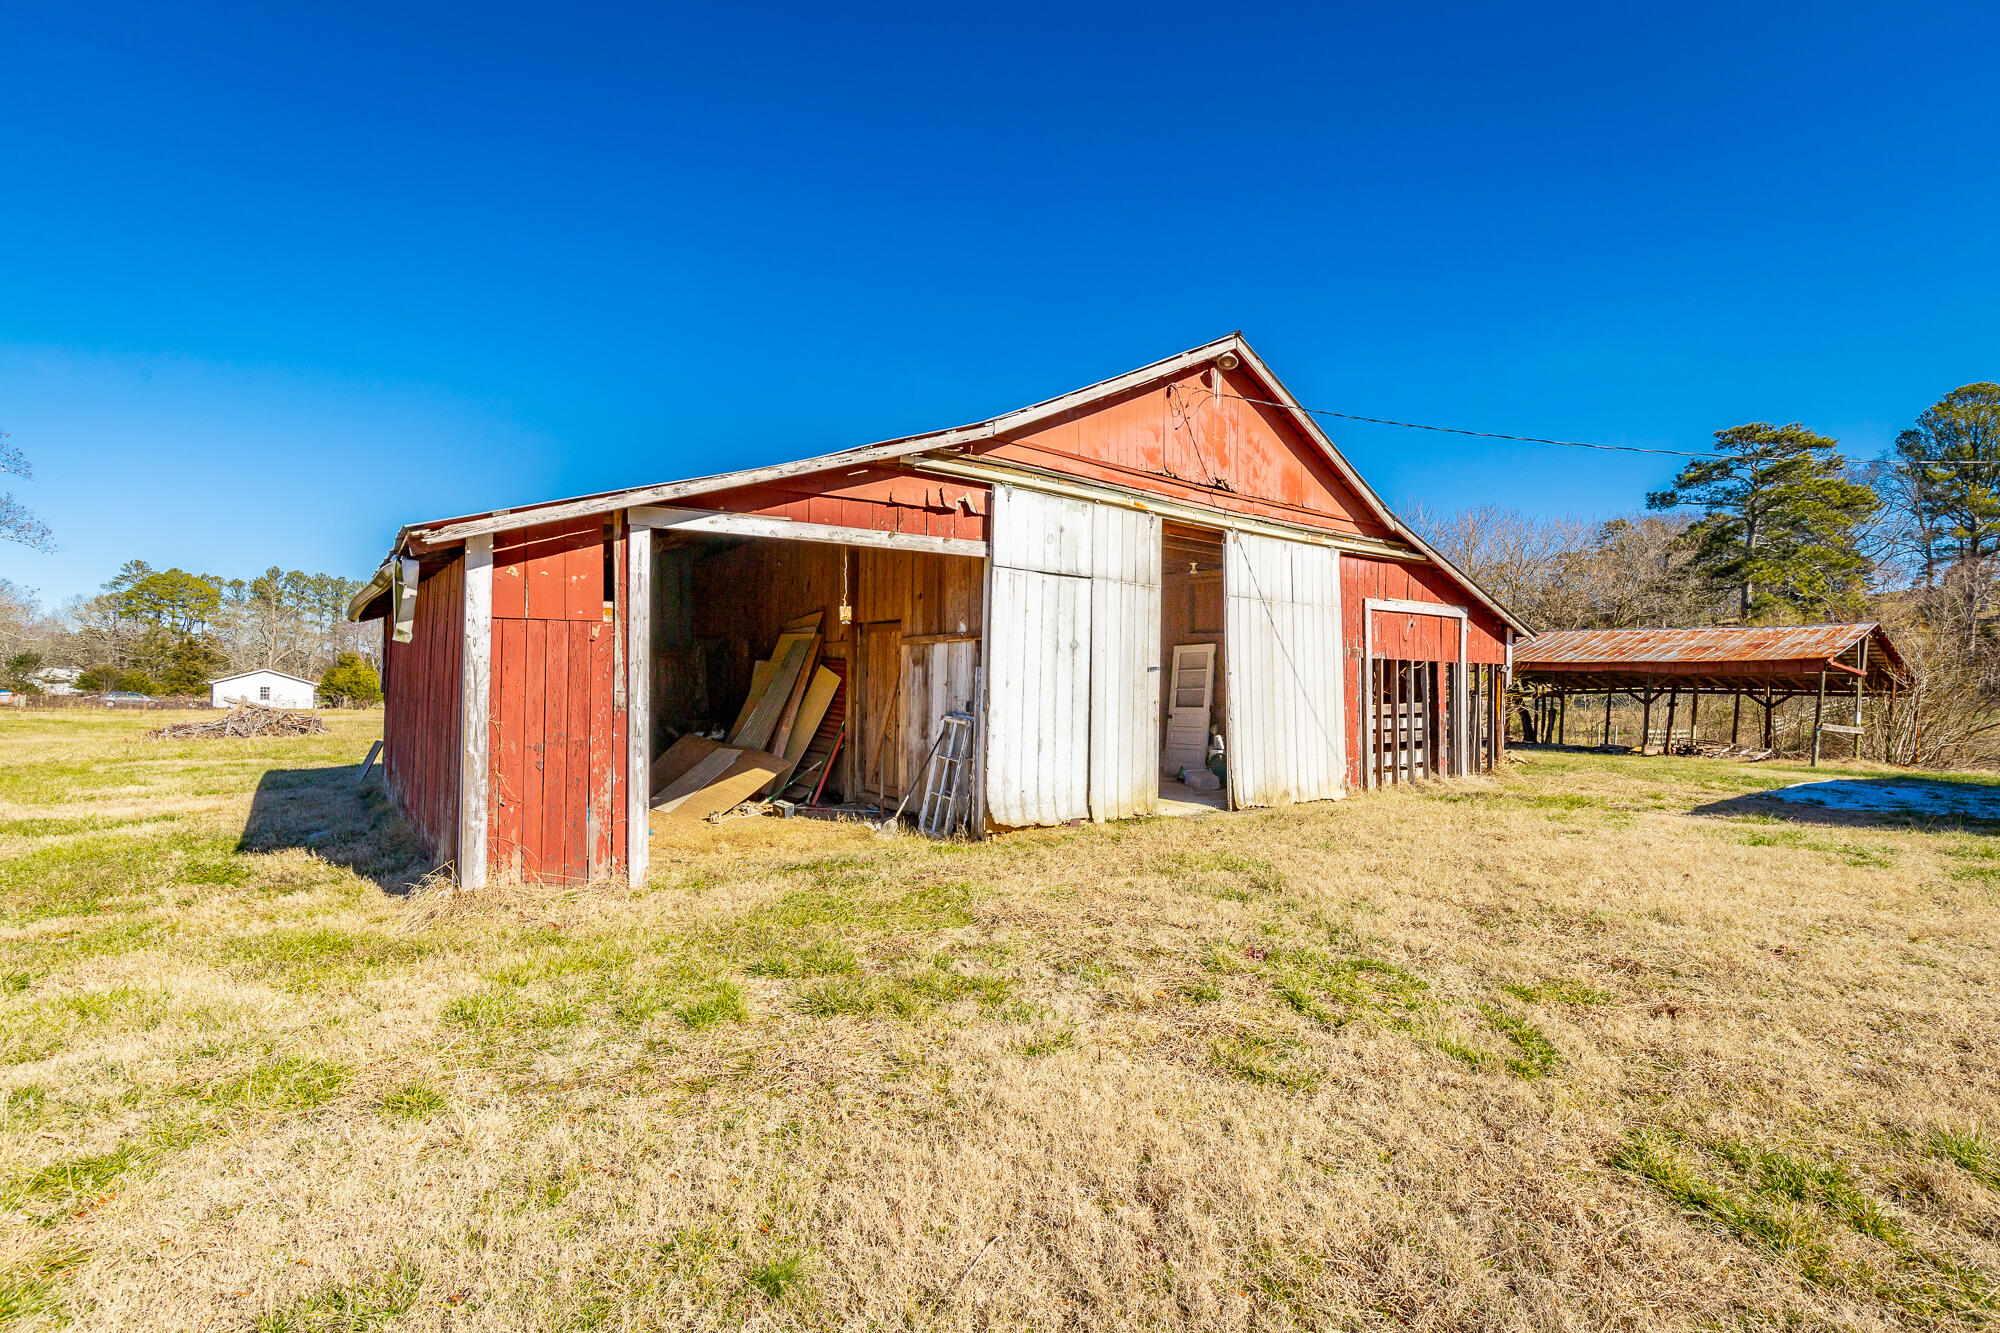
(1409, 637)
(877, 498)
(1194, 439)
(557, 775)
(420, 712)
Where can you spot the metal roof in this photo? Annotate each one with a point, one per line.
(1717, 651)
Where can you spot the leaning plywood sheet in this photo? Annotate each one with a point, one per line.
(782, 733)
(812, 707)
(689, 764)
(807, 623)
(760, 681)
(748, 774)
(790, 658)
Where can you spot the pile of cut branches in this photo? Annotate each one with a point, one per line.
(244, 720)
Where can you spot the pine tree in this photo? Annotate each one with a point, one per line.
(1779, 523)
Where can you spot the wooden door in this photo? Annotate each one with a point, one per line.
(1282, 659)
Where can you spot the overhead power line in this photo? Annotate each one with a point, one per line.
(1566, 444)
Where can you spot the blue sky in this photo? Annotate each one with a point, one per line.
(275, 280)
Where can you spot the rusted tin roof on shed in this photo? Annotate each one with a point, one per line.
(1712, 651)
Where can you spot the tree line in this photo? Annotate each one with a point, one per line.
(1777, 526)
(169, 632)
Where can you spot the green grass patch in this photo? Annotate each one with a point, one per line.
(1265, 1060)
(1535, 1055)
(718, 1002)
(413, 1101)
(293, 1083)
(1334, 990)
(777, 1276)
(348, 1307)
(1972, 1149)
(820, 958)
(310, 957)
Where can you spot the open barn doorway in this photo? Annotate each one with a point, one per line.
(874, 646)
(1193, 678)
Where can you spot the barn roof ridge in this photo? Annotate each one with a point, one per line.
(453, 531)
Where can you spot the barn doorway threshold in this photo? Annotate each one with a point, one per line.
(1177, 798)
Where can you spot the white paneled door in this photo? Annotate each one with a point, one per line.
(1282, 657)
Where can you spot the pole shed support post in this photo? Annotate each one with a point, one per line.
(1819, 707)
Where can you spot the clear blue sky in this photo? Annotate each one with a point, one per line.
(274, 279)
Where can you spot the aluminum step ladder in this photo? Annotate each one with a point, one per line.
(947, 801)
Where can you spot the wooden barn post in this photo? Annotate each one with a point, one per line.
(1646, 722)
(638, 702)
(1673, 707)
(1857, 696)
(1736, 720)
(1694, 717)
(1608, 696)
(475, 711)
(1819, 707)
(1770, 729)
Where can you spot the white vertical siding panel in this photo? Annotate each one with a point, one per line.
(1124, 657)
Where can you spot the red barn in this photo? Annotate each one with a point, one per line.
(1109, 583)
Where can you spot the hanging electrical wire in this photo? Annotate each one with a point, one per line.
(1566, 444)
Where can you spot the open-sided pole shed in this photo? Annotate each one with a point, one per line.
(1767, 664)
(1106, 583)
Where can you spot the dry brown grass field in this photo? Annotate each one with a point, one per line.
(1592, 1044)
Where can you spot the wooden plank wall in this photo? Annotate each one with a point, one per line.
(1194, 438)
(420, 716)
(743, 593)
(558, 715)
(882, 498)
(1407, 638)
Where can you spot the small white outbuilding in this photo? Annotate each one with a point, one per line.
(273, 689)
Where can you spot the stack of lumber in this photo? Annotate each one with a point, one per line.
(790, 696)
(244, 720)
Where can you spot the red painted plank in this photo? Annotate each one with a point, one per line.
(539, 773)
(576, 764)
(602, 750)
(510, 671)
(583, 583)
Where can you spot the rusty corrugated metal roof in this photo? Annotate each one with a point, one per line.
(1713, 644)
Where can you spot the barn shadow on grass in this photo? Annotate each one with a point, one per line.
(319, 810)
(1928, 803)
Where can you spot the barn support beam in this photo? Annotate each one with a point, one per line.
(638, 703)
(1608, 696)
(475, 712)
(1819, 707)
(1736, 720)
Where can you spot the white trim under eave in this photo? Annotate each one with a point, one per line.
(720, 523)
(1174, 511)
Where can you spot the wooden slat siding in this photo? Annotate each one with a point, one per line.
(600, 814)
(534, 745)
(555, 750)
(1286, 716)
(937, 678)
(1362, 578)
(421, 712)
(1177, 438)
(1038, 691)
(884, 499)
(576, 767)
(1125, 667)
(509, 716)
